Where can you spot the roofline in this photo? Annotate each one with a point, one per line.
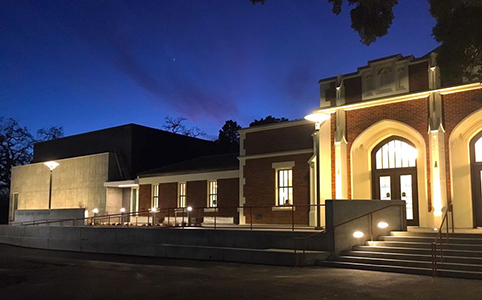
(186, 172)
(359, 69)
(274, 126)
(132, 125)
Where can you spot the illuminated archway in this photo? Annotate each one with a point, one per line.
(361, 161)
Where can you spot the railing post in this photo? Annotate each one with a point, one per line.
(371, 226)
(452, 217)
(251, 217)
(183, 217)
(215, 215)
(168, 218)
(292, 218)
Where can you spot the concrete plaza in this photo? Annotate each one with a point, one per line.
(43, 274)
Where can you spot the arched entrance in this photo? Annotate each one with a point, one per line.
(476, 166)
(394, 174)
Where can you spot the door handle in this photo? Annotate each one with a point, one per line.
(404, 194)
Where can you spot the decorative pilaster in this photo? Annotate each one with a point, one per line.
(437, 158)
(341, 159)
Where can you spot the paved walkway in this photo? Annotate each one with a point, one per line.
(41, 274)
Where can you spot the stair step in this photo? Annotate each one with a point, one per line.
(418, 257)
(401, 269)
(425, 251)
(411, 263)
(434, 234)
(427, 239)
(451, 246)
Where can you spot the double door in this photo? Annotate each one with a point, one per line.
(399, 184)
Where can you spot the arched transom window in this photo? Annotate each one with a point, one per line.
(478, 150)
(397, 154)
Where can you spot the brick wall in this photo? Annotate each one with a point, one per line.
(167, 195)
(413, 113)
(228, 197)
(196, 193)
(418, 77)
(145, 196)
(260, 189)
(456, 107)
(278, 140)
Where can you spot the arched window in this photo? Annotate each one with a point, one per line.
(478, 150)
(396, 154)
(385, 77)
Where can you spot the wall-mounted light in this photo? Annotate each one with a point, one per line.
(317, 118)
(382, 225)
(358, 234)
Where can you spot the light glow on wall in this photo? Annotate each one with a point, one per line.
(382, 225)
(51, 165)
(358, 234)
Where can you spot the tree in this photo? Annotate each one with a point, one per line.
(228, 138)
(268, 120)
(16, 148)
(47, 134)
(458, 30)
(175, 125)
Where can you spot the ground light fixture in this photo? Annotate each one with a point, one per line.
(51, 165)
(382, 225)
(358, 234)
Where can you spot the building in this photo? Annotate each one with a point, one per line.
(391, 130)
(99, 169)
(394, 131)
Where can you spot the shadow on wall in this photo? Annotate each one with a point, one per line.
(4, 208)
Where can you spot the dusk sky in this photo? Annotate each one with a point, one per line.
(88, 65)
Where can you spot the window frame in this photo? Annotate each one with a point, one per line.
(155, 196)
(181, 197)
(212, 196)
(289, 187)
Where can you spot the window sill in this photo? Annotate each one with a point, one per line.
(283, 208)
(211, 209)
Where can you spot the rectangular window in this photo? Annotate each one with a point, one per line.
(285, 186)
(182, 195)
(213, 193)
(155, 196)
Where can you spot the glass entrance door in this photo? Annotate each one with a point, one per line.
(394, 171)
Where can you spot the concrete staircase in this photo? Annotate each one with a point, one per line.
(411, 252)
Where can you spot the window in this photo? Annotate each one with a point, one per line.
(213, 193)
(182, 195)
(155, 196)
(285, 187)
(396, 154)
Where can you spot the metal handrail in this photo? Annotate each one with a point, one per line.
(167, 212)
(439, 238)
(334, 227)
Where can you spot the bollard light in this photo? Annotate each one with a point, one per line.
(358, 234)
(382, 225)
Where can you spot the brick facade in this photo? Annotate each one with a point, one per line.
(260, 190)
(418, 77)
(167, 195)
(145, 197)
(279, 140)
(413, 113)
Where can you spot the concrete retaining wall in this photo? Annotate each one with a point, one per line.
(206, 244)
(28, 215)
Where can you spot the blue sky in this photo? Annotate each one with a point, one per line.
(87, 65)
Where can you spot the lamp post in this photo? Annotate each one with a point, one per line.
(122, 210)
(189, 209)
(51, 165)
(318, 119)
(153, 210)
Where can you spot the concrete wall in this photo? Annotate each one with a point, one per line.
(221, 245)
(28, 215)
(341, 211)
(76, 183)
